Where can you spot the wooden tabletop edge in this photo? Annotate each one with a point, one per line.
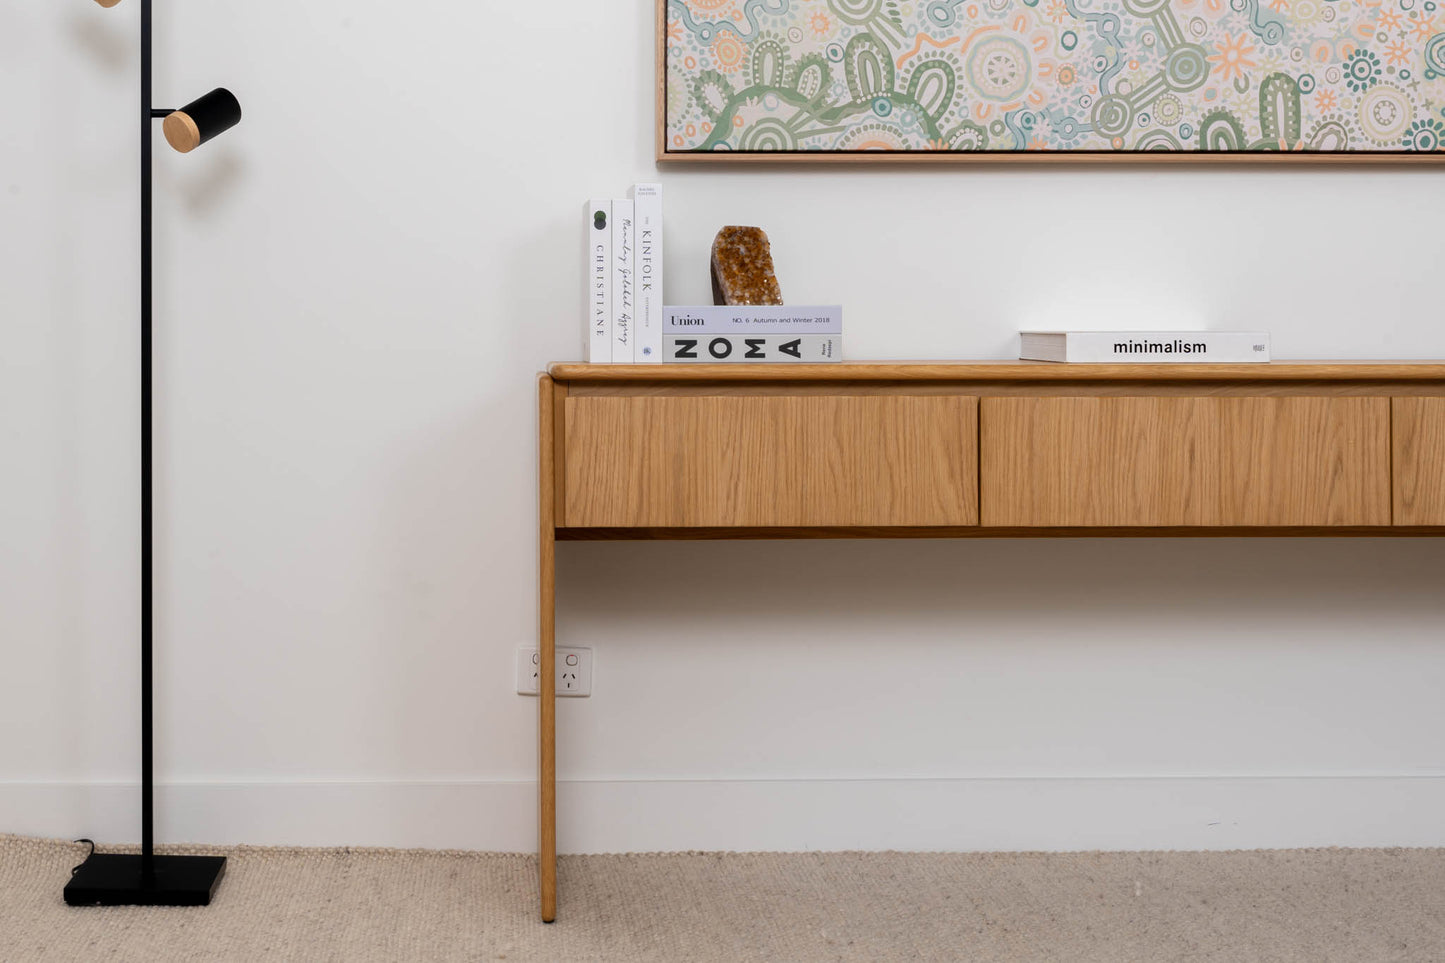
(1004, 371)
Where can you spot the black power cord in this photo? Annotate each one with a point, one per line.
(87, 855)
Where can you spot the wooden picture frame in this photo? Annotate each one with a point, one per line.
(1384, 98)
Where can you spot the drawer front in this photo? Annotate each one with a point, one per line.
(1185, 461)
(703, 461)
(1419, 461)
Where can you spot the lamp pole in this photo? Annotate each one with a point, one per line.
(145, 879)
(147, 500)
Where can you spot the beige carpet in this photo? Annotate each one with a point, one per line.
(389, 905)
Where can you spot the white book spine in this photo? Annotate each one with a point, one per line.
(599, 282)
(624, 295)
(752, 348)
(1147, 347)
(1209, 347)
(752, 319)
(647, 318)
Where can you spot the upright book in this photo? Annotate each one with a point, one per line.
(597, 319)
(624, 296)
(647, 274)
(1145, 347)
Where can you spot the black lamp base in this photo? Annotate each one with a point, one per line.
(119, 879)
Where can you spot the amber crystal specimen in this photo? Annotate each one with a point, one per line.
(742, 268)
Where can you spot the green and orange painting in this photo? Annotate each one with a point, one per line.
(1362, 76)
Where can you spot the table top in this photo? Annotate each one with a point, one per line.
(1022, 371)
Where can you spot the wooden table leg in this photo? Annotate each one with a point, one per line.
(547, 674)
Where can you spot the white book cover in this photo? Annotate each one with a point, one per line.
(624, 294)
(597, 337)
(752, 348)
(752, 318)
(647, 276)
(1145, 347)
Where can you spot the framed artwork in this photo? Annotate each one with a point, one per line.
(776, 80)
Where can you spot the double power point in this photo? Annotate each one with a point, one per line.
(574, 671)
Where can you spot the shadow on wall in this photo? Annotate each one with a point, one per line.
(213, 183)
(1132, 584)
(107, 43)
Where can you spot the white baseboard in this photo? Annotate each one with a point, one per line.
(1051, 813)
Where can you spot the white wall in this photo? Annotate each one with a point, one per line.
(355, 291)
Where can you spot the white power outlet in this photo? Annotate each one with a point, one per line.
(574, 671)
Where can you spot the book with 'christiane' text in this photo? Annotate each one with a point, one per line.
(597, 314)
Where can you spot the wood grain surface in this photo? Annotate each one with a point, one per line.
(1184, 461)
(981, 531)
(546, 640)
(1418, 453)
(1363, 387)
(1031, 371)
(181, 132)
(785, 460)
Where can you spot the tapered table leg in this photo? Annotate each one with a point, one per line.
(547, 674)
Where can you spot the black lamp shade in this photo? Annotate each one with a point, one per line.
(202, 119)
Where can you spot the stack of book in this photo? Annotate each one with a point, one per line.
(1145, 347)
(623, 321)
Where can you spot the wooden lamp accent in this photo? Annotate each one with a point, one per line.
(181, 131)
(145, 878)
(202, 119)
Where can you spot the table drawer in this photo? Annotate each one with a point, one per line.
(769, 460)
(1185, 461)
(1418, 439)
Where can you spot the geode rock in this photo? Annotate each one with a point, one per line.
(742, 268)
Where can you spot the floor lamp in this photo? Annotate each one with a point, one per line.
(145, 879)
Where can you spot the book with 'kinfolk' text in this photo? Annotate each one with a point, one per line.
(647, 272)
(1145, 347)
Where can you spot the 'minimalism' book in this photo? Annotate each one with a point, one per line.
(752, 348)
(752, 319)
(1152, 347)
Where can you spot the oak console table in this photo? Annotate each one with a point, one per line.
(970, 450)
